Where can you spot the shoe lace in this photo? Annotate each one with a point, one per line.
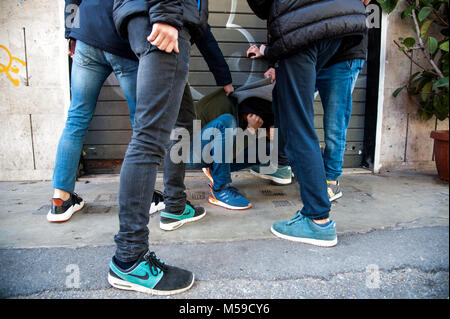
(154, 263)
(76, 198)
(232, 190)
(298, 217)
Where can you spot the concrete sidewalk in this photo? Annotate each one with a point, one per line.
(395, 223)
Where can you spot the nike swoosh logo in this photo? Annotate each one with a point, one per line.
(141, 277)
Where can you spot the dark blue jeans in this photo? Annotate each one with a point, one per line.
(293, 105)
(160, 83)
(335, 85)
(91, 66)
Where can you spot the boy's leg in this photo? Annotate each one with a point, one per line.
(335, 85)
(219, 171)
(294, 107)
(161, 80)
(174, 188)
(178, 211)
(126, 72)
(89, 71)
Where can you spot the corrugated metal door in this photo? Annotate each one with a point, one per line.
(235, 28)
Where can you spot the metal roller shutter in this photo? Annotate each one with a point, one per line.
(235, 28)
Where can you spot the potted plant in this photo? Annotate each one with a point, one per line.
(429, 51)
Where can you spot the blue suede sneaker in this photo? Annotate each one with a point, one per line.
(282, 176)
(172, 221)
(150, 275)
(302, 229)
(229, 198)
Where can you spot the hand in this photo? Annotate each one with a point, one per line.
(254, 122)
(228, 89)
(255, 53)
(366, 2)
(164, 37)
(72, 45)
(270, 73)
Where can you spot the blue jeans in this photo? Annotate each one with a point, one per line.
(293, 105)
(220, 170)
(335, 85)
(90, 68)
(161, 80)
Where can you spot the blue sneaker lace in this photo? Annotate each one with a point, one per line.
(154, 263)
(232, 190)
(298, 217)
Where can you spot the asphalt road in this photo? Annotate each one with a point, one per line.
(395, 263)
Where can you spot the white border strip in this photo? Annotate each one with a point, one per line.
(377, 160)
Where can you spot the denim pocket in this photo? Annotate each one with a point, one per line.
(82, 53)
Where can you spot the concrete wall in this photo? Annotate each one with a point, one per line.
(32, 110)
(405, 141)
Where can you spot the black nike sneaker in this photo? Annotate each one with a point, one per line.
(150, 275)
(157, 202)
(62, 211)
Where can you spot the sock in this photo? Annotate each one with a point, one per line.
(123, 265)
(323, 225)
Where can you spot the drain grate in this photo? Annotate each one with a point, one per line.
(282, 203)
(269, 192)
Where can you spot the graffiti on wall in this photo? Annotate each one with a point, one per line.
(8, 68)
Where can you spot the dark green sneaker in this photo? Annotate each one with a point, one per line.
(281, 176)
(304, 230)
(334, 191)
(172, 221)
(150, 275)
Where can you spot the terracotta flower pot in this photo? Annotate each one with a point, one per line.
(441, 152)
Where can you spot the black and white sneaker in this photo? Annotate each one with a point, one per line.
(157, 202)
(334, 191)
(62, 211)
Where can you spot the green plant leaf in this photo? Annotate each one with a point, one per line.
(440, 83)
(426, 91)
(424, 13)
(432, 44)
(388, 5)
(425, 27)
(407, 12)
(397, 92)
(444, 46)
(409, 42)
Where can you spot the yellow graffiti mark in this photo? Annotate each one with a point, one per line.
(9, 68)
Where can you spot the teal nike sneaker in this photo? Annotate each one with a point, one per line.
(150, 275)
(302, 229)
(172, 221)
(282, 176)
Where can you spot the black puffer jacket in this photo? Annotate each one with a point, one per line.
(177, 13)
(294, 24)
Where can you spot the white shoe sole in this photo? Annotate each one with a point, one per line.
(59, 218)
(125, 285)
(156, 208)
(315, 242)
(221, 204)
(337, 196)
(179, 223)
(273, 179)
